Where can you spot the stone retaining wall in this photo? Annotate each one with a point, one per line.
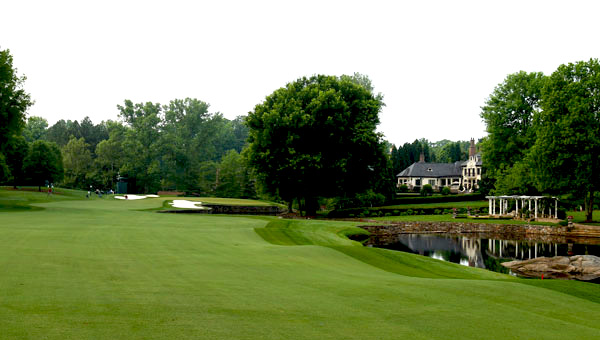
(230, 209)
(388, 232)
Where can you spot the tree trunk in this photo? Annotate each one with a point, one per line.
(590, 208)
(310, 206)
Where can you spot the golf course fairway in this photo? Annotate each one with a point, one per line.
(76, 268)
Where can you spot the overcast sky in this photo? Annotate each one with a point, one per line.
(435, 62)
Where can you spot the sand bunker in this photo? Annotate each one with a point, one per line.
(134, 197)
(187, 204)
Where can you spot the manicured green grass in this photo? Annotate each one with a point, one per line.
(109, 269)
(443, 205)
(579, 216)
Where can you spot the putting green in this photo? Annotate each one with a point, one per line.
(110, 269)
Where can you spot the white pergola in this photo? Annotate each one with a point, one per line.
(503, 208)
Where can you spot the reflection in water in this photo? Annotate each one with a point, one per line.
(483, 251)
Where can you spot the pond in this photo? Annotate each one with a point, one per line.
(485, 250)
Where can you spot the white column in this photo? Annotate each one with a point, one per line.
(555, 208)
(494, 206)
(517, 205)
(490, 206)
(536, 208)
(529, 200)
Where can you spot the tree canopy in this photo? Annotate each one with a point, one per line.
(316, 137)
(14, 102)
(43, 163)
(544, 133)
(567, 149)
(509, 115)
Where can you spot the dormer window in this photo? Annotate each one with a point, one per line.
(430, 170)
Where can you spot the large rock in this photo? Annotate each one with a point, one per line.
(579, 267)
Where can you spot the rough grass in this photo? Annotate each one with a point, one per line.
(105, 269)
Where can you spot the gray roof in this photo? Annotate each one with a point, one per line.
(432, 170)
(477, 158)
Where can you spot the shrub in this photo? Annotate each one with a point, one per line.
(369, 198)
(387, 214)
(563, 223)
(437, 212)
(409, 212)
(427, 190)
(445, 191)
(403, 188)
(396, 212)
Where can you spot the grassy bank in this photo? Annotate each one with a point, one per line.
(108, 269)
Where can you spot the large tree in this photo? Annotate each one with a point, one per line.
(509, 117)
(14, 102)
(77, 160)
(15, 152)
(567, 149)
(316, 137)
(35, 128)
(142, 145)
(43, 163)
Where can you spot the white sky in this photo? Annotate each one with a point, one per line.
(434, 61)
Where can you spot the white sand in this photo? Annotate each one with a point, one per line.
(134, 197)
(187, 204)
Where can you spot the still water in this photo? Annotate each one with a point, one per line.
(487, 251)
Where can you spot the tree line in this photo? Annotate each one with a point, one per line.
(178, 146)
(443, 151)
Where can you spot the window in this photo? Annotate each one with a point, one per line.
(432, 182)
(417, 182)
(479, 171)
(443, 181)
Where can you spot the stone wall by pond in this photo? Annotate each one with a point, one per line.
(534, 232)
(230, 209)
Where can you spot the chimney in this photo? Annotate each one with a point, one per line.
(472, 150)
(422, 157)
